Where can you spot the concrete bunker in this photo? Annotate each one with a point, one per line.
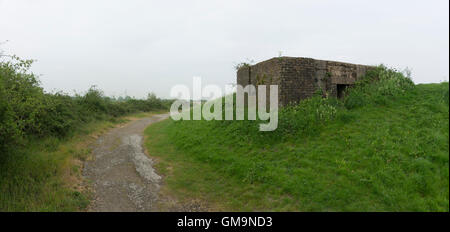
(299, 78)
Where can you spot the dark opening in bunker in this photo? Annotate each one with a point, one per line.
(341, 90)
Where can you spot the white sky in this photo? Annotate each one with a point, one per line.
(149, 46)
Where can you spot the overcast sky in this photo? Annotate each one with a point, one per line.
(148, 46)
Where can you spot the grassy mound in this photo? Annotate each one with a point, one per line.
(382, 148)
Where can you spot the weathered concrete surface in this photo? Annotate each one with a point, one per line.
(122, 175)
(299, 78)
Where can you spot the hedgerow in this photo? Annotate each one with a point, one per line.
(26, 110)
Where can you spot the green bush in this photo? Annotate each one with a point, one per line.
(94, 101)
(9, 132)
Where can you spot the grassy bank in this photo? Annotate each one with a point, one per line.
(383, 148)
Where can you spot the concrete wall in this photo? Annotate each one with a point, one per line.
(301, 78)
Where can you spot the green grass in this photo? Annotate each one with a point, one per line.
(392, 155)
(45, 174)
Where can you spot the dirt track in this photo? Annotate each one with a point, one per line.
(121, 174)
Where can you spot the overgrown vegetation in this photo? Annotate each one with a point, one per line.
(384, 147)
(36, 125)
(27, 111)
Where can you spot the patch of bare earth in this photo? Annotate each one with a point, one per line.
(120, 174)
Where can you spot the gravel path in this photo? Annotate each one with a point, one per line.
(121, 174)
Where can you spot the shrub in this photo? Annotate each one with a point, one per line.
(9, 132)
(94, 101)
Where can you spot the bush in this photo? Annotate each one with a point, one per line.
(9, 132)
(94, 101)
